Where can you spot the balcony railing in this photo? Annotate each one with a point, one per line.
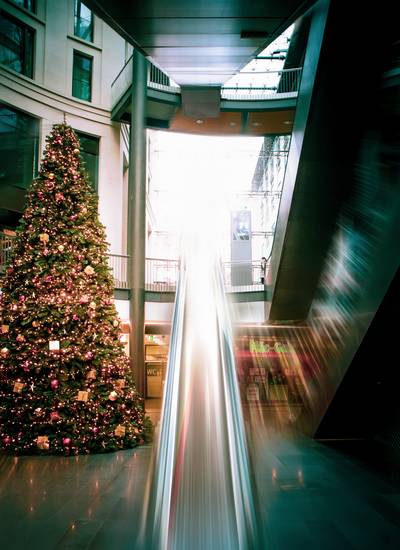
(162, 274)
(119, 267)
(155, 79)
(282, 84)
(243, 276)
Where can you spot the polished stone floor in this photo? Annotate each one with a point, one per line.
(311, 497)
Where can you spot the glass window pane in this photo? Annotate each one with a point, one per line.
(19, 140)
(27, 4)
(82, 77)
(16, 46)
(83, 21)
(90, 156)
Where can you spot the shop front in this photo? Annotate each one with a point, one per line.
(156, 347)
(269, 370)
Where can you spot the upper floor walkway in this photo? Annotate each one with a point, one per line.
(240, 278)
(243, 110)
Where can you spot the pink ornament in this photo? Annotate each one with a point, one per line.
(54, 416)
(54, 384)
(22, 299)
(84, 299)
(25, 366)
(89, 355)
(95, 430)
(75, 317)
(7, 440)
(66, 441)
(59, 197)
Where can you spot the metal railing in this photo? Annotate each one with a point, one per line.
(162, 274)
(119, 267)
(6, 249)
(243, 276)
(156, 79)
(282, 84)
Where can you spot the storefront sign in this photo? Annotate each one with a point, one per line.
(262, 347)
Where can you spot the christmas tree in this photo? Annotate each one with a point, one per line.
(65, 383)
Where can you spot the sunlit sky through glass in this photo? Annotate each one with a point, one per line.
(193, 180)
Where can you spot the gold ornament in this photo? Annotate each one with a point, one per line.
(76, 151)
(35, 323)
(42, 442)
(18, 387)
(92, 305)
(4, 328)
(51, 176)
(113, 396)
(115, 323)
(120, 430)
(120, 383)
(91, 375)
(44, 238)
(89, 270)
(61, 247)
(20, 338)
(82, 396)
(4, 352)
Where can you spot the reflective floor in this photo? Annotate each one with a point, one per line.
(311, 496)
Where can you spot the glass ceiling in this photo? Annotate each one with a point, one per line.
(263, 71)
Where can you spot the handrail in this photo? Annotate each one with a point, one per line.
(285, 84)
(277, 85)
(162, 273)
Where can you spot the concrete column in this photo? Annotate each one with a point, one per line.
(137, 215)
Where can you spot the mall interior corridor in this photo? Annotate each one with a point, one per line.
(311, 497)
(199, 275)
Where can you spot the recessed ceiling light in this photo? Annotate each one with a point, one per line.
(287, 122)
(256, 123)
(199, 121)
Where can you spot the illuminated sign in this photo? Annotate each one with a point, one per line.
(262, 347)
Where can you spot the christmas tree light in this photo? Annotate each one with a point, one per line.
(65, 383)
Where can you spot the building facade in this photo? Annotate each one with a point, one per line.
(57, 62)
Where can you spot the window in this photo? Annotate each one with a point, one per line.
(83, 21)
(19, 143)
(16, 45)
(82, 77)
(90, 156)
(27, 4)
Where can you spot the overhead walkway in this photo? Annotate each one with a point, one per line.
(243, 110)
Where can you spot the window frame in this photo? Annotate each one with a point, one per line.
(26, 61)
(24, 5)
(79, 53)
(78, 18)
(80, 134)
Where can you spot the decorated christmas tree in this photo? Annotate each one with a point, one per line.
(65, 382)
